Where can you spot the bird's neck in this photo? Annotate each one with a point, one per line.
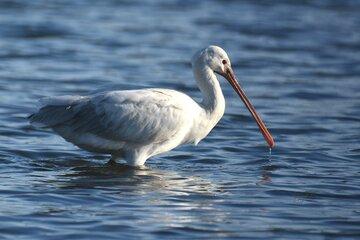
(213, 99)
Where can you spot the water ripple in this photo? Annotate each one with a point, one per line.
(300, 70)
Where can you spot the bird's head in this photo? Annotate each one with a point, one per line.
(213, 57)
(217, 60)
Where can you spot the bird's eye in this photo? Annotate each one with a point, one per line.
(224, 62)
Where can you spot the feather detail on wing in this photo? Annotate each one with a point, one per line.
(137, 117)
(56, 110)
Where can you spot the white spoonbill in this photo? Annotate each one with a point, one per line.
(135, 125)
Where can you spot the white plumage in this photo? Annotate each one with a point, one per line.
(136, 124)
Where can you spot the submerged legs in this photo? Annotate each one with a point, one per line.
(132, 158)
(112, 160)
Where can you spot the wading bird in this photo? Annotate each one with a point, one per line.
(135, 125)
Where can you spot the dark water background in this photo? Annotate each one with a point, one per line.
(299, 62)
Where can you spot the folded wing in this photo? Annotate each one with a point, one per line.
(137, 117)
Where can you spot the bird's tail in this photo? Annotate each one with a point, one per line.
(54, 111)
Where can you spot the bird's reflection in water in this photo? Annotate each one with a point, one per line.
(173, 199)
(266, 174)
(267, 170)
(119, 177)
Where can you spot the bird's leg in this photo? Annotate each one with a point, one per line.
(112, 161)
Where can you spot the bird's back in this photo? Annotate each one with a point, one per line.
(118, 121)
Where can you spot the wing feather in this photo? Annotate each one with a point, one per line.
(139, 116)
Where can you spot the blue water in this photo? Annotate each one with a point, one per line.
(299, 63)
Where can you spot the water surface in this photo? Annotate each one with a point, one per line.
(298, 62)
